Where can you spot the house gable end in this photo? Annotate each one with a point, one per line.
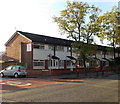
(13, 38)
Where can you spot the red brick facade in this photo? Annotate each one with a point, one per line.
(26, 57)
(16, 49)
(39, 72)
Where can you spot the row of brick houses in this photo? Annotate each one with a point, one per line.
(44, 55)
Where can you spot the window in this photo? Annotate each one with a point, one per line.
(61, 63)
(107, 53)
(36, 46)
(68, 49)
(68, 63)
(51, 47)
(53, 62)
(39, 46)
(60, 48)
(104, 63)
(100, 52)
(39, 62)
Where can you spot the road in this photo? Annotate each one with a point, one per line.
(103, 89)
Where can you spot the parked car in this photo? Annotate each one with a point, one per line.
(14, 70)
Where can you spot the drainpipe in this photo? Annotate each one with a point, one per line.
(54, 49)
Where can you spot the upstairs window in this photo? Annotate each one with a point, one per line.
(100, 52)
(51, 47)
(39, 46)
(60, 48)
(36, 46)
(68, 49)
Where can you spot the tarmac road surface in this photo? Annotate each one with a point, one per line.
(103, 89)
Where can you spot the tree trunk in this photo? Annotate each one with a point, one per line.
(84, 62)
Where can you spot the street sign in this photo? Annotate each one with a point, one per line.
(29, 47)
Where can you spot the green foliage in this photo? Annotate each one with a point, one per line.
(72, 21)
(78, 21)
(84, 51)
(108, 24)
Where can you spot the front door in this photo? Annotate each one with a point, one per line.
(53, 64)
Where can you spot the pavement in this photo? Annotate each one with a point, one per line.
(76, 76)
(15, 84)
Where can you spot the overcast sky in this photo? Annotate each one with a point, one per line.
(35, 16)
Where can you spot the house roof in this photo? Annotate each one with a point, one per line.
(46, 39)
(36, 38)
(55, 57)
(71, 57)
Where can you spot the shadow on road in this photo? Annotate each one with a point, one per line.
(100, 75)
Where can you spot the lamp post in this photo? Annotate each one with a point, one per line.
(49, 63)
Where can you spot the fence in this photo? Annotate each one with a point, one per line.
(97, 70)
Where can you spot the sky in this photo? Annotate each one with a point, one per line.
(35, 16)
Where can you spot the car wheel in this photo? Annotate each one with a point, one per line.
(16, 75)
(1, 75)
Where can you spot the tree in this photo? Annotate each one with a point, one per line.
(78, 21)
(108, 24)
(84, 51)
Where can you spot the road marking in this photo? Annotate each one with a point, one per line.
(16, 83)
(2, 83)
(27, 84)
(13, 83)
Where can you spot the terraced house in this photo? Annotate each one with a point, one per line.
(44, 55)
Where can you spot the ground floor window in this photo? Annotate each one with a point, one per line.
(55, 64)
(68, 63)
(95, 63)
(39, 64)
(61, 63)
(105, 63)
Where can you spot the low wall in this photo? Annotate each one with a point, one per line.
(38, 72)
(97, 69)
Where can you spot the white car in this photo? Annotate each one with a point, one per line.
(14, 70)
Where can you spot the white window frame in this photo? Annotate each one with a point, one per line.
(40, 46)
(60, 48)
(68, 65)
(51, 47)
(38, 62)
(68, 49)
(61, 63)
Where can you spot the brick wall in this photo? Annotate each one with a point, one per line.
(39, 72)
(13, 48)
(26, 57)
(16, 49)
